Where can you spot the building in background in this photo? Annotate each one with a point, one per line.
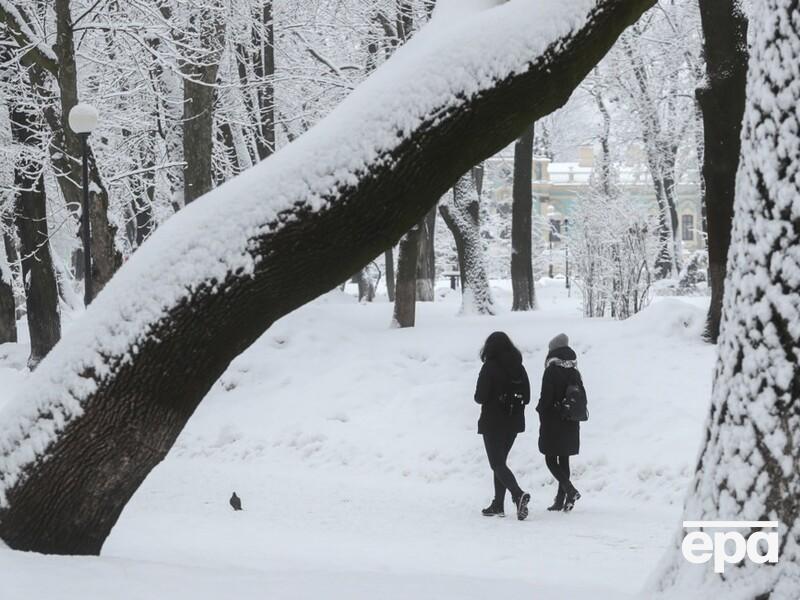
(558, 186)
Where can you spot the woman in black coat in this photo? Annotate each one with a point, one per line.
(503, 391)
(558, 438)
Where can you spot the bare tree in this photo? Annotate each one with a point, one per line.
(461, 213)
(128, 387)
(749, 467)
(41, 289)
(43, 66)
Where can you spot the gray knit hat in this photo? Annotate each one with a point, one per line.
(560, 341)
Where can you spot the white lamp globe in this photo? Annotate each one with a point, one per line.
(83, 118)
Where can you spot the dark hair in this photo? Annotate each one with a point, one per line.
(498, 344)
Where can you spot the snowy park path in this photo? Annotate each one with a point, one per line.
(354, 450)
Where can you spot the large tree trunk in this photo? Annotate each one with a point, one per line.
(461, 214)
(749, 467)
(405, 291)
(521, 224)
(722, 102)
(426, 260)
(108, 403)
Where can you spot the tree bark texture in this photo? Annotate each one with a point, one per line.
(749, 466)
(67, 497)
(522, 283)
(722, 102)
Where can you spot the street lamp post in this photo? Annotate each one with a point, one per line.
(83, 120)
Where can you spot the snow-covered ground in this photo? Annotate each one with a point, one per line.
(353, 447)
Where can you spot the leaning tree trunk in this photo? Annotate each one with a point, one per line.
(426, 259)
(405, 291)
(521, 227)
(722, 102)
(461, 214)
(108, 403)
(749, 467)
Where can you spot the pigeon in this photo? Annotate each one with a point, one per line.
(236, 502)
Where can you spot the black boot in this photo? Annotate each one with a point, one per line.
(522, 506)
(495, 509)
(573, 496)
(558, 503)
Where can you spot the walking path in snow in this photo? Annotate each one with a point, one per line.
(353, 448)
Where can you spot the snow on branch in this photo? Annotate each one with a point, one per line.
(34, 50)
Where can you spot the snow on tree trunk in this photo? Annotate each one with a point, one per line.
(749, 467)
(521, 224)
(722, 102)
(108, 402)
(405, 290)
(461, 213)
(426, 259)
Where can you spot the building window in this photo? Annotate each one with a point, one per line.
(687, 228)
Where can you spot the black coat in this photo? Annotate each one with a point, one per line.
(557, 436)
(493, 380)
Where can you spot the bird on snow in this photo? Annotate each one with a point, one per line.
(236, 502)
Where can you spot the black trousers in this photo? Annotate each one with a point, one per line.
(559, 467)
(498, 445)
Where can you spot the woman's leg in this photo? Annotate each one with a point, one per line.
(554, 467)
(563, 464)
(494, 448)
(497, 449)
(572, 494)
